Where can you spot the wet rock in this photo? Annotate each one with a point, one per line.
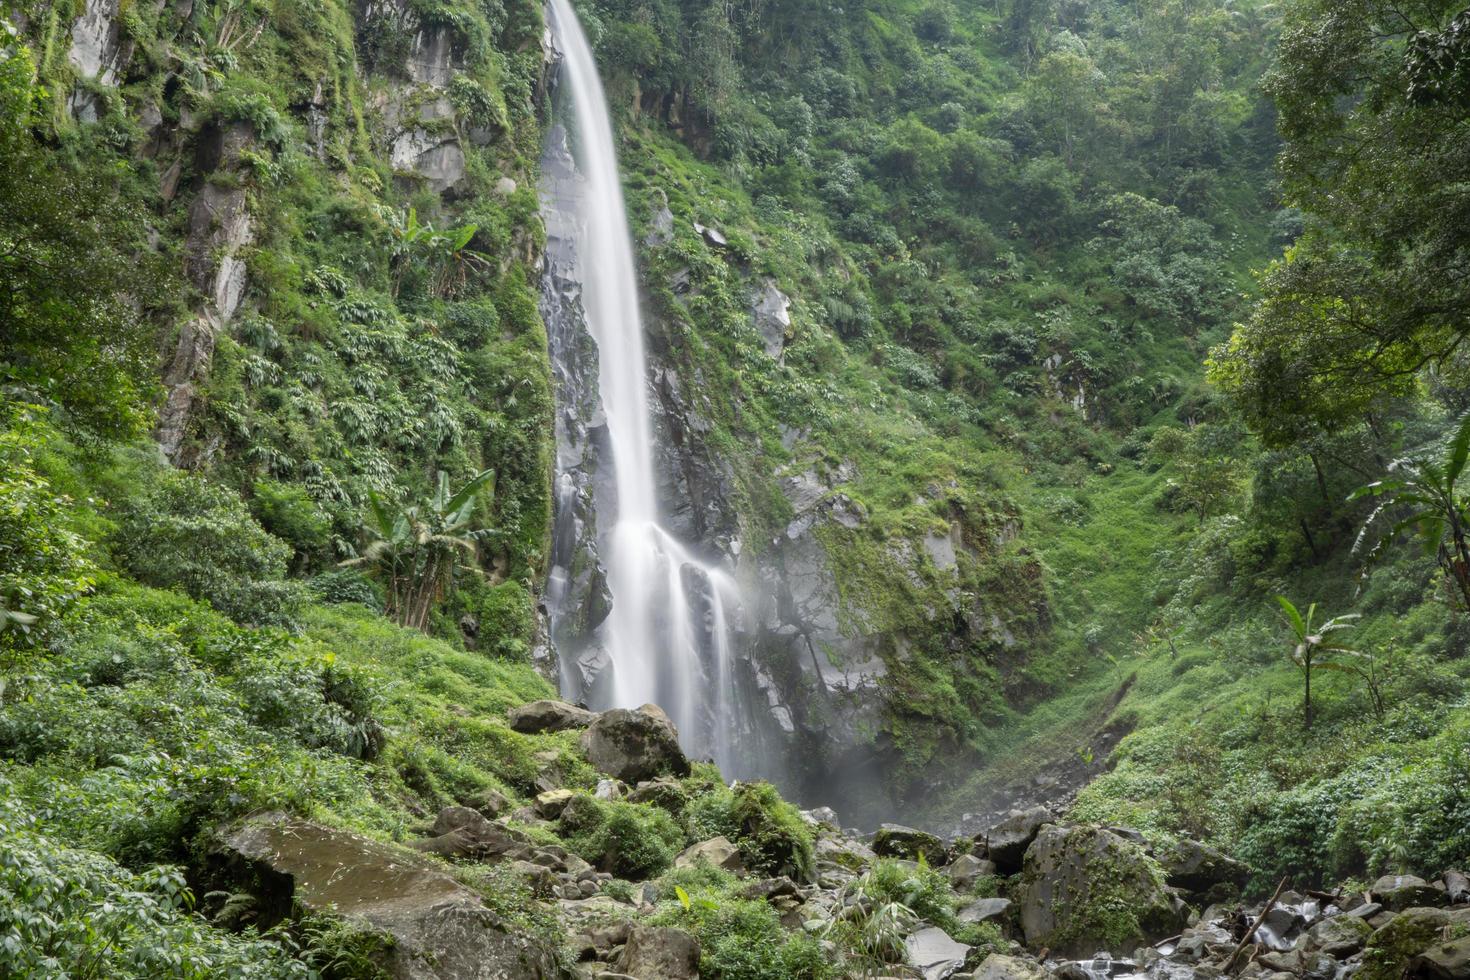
(660, 953)
(717, 852)
(967, 869)
(1199, 868)
(1447, 961)
(548, 716)
(440, 928)
(634, 745)
(934, 954)
(1084, 888)
(985, 910)
(1399, 892)
(1007, 841)
(896, 840)
(999, 967)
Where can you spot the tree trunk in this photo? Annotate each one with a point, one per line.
(1307, 672)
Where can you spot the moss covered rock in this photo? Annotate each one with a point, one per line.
(1085, 888)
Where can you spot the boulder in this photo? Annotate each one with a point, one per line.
(548, 716)
(1447, 961)
(999, 967)
(460, 832)
(1085, 889)
(967, 869)
(664, 793)
(439, 927)
(1339, 936)
(1006, 842)
(769, 889)
(660, 953)
(896, 840)
(1391, 947)
(1457, 887)
(551, 803)
(1399, 892)
(634, 745)
(717, 852)
(934, 954)
(844, 852)
(985, 910)
(488, 802)
(1199, 868)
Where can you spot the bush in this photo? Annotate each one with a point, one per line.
(288, 512)
(626, 839)
(76, 913)
(187, 533)
(772, 837)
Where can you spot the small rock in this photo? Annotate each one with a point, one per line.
(664, 793)
(610, 789)
(505, 186)
(717, 852)
(770, 889)
(822, 815)
(489, 802)
(712, 236)
(548, 716)
(551, 803)
(660, 952)
(934, 954)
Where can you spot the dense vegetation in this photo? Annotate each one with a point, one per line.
(1142, 296)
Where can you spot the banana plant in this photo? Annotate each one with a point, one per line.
(416, 549)
(1313, 643)
(1423, 499)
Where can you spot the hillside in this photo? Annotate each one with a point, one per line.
(1010, 362)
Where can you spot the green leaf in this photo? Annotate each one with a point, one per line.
(1459, 450)
(683, 897)
(1293, 617)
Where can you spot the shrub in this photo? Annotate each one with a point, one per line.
(626, 839)
(288, 512)
(187, 533)
(772, 837)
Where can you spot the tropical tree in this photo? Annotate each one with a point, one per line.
(1313, 644)
(417, 548)
(1425, 499)
(443, 252)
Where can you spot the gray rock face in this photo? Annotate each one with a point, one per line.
(934, 954)
(634, 745)
(985, 910)
(98, 49)
(660, 953)
(661, 228)
(441, 929)
(548, 716)
(433, 155)
(1007, 841)
(1085, 889)
(771, 313)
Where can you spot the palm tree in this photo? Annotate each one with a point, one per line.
(416, 549)
(1437, 511)
(1312, 642)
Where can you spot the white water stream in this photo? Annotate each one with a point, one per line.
(667, 634)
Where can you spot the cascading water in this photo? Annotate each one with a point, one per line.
(666, 634)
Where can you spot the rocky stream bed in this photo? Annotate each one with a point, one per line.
(1055, 899)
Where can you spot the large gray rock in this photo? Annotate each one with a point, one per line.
(985, 910)
(896, 840)
(660, 953)
(771, 313)
(1085, 889)
(634, 745)
(460, 832)
(440, 929)
(1399, 892)
(1197, 867)
(1006, 842)
(1447, 961)
(967, 869)
(548, 716)
(934, 954)
(1339, 936)
(999, 967)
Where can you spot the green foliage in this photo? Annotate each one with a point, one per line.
(630, 840)
(44, 566)
(78, 913)
(772, 837)
(183, 531)
(416, 549)
(1313, 643)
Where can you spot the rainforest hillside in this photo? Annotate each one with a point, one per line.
(1075, 389)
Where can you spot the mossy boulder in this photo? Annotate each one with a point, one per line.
(634, 745)
(1410, 933)
(895, 840)
(1085, 888)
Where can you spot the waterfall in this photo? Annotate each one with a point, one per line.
(666, 635)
